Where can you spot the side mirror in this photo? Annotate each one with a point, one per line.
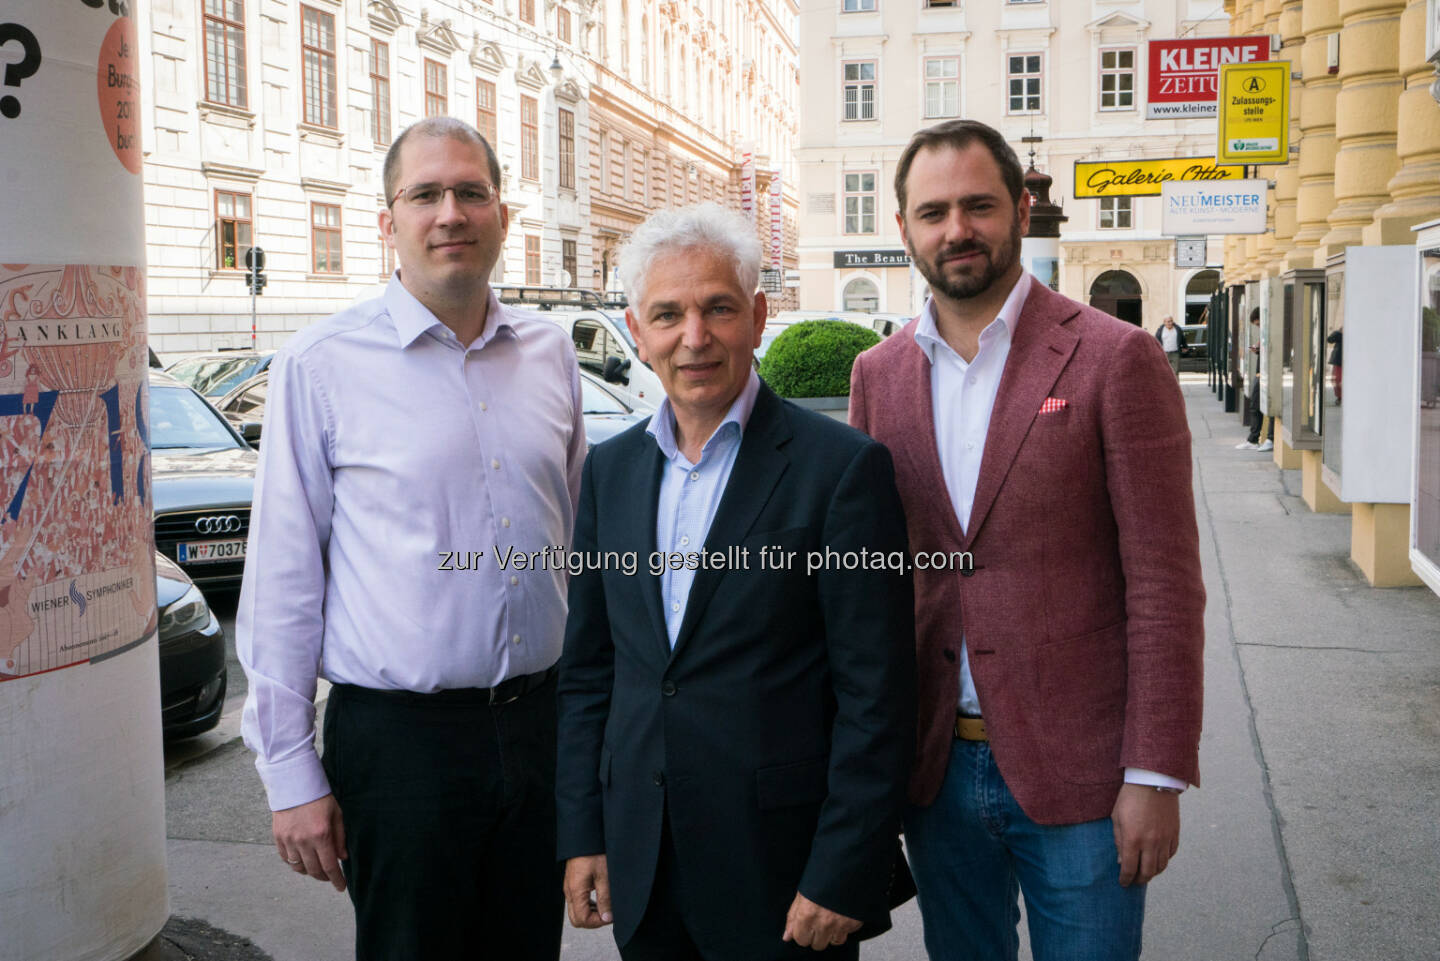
(250, 430)
(615, 370)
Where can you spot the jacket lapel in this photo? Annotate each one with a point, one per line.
(1039, 350)
(758, 468)
(916, 396)
(651, 466)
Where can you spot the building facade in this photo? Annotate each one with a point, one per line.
(1348, 305)
(1072, 75)
(683, 91)
(267, 123)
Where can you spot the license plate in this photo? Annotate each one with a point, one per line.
(195, 552)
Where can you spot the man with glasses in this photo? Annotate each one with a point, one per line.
(409, 438)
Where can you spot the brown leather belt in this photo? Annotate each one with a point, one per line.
(970, 728)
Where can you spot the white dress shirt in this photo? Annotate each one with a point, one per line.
(962, 396)
(690, 494)
(387, 447)
(1170, 339)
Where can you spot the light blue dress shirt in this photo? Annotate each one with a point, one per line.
(690, 494)
(388, 445)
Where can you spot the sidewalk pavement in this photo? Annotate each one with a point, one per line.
(1315, 837)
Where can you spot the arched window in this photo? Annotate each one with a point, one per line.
(861, 294)
(625, 37)
(665, 63)
(645, 52)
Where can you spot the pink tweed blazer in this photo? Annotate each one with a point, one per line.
(1084, 611)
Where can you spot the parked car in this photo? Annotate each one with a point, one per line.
(216, 374)
(606, 412)
(203, 474)
(1198, 357)
(604, 347)
(192, 654)
(883, 324)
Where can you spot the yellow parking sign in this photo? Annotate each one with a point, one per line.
(1254, 113)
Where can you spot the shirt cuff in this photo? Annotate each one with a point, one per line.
(293, 781)
(1138, 775)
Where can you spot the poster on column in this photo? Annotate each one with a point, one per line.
(77, 571)
(777, 220)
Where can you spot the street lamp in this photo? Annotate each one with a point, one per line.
(556, 71)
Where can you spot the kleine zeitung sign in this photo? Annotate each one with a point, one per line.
(1184, 80)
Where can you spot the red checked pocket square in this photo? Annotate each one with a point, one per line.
(1053, 404)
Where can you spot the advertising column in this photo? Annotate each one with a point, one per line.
(82, 873)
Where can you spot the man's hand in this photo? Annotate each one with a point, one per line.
(311, 839)
(811, 926)
(1147, 831)
(583, 876)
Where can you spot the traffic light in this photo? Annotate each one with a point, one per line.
(255, 270)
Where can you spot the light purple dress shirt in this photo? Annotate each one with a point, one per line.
(387, 446)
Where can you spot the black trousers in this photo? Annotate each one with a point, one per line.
(1257, 417)
(662, 935)
(449, 811)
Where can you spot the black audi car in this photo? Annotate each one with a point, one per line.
(192, 655)
(204, 478)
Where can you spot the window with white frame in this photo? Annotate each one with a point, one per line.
(1116, 213)
(856, 6)
(1024, 74)
(859, 90)
(942, 87)
(1117, 79)
(860, 196)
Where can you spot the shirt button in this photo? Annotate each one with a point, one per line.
(484, 406)
(505, 521)
(694, 475)
(675, 606)
(514, 580)
(515, 639)
(495, 463)
(684, 539)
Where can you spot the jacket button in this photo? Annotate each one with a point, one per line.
(950, 655)
(659, 778)
(967, 572)
(668, 688)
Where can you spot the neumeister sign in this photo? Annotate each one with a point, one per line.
(1184, 81)
(872, 258)
(1235, 207)
(1144, 178)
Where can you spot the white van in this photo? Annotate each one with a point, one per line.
(604, 347)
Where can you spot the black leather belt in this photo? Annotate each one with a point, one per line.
(509, 690)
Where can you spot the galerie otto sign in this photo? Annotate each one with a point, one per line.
(1144, 178)
(1233, 207)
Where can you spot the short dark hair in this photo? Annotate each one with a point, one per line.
(437, 127)
(960, 134)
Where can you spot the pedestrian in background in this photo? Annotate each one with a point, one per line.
(1259, 423)
(1172, 341)
(734, 741)
(1060, 676)
(401, 431)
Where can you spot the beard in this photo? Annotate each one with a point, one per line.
(975, 279)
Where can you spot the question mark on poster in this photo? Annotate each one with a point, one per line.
(16, 72)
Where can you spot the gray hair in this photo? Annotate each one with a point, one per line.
(707, 225)
(436, 127)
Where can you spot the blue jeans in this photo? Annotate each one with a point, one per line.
(973, 849)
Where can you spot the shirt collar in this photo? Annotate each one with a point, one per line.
(412, 318)
(662, 425)
(927, 335)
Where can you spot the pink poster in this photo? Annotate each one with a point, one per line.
(76, 570)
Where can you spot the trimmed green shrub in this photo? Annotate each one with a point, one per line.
(813, 358)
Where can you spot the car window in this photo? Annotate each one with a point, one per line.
(178, 418)
(250, 402)
(214, 377)
(593, 343)
(595, 399)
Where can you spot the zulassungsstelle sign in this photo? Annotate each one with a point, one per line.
(1144, 178)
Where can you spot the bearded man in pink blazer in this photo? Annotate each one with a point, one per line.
(1060, 668)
